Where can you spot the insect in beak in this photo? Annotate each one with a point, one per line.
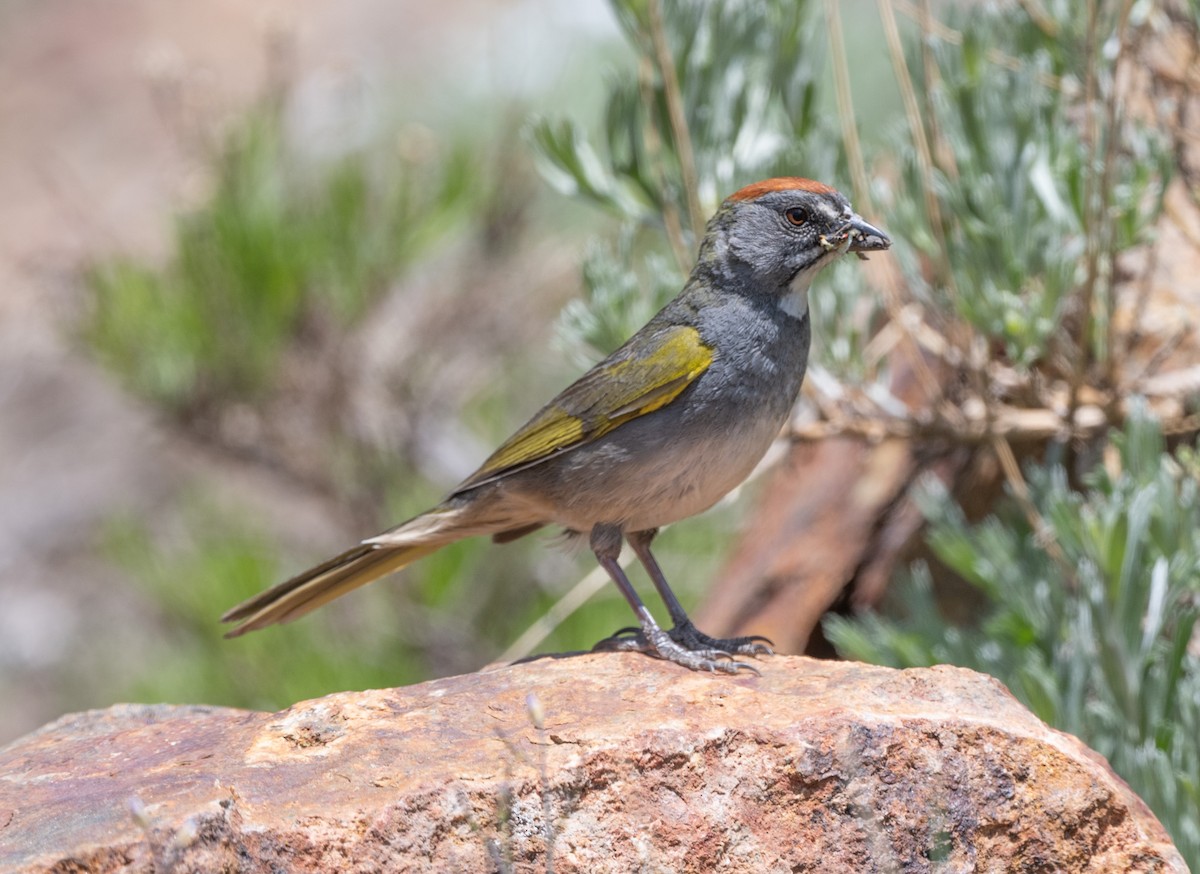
(865, 237)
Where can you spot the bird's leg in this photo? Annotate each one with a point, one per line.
(606, 544)
(685, 633)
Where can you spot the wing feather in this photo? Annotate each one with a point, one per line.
(637, 379)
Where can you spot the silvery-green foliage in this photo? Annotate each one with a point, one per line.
(1099, 643)
(747, 73)
(1021, 194)
(620, 289)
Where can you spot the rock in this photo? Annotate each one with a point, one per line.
(608, 762)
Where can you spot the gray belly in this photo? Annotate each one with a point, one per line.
(670, 464)
(648, 475)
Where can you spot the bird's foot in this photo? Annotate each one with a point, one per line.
(693, 639)
(691, 649)
(690, 637)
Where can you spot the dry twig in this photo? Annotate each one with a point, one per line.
(678, 119)
(653, 141)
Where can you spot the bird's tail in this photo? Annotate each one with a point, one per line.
(356, 567)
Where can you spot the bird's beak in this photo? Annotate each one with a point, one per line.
(865, 237)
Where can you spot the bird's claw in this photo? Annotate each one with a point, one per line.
(693, 639)
(686, 646)
(690, 637)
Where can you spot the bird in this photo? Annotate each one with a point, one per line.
(658, 431)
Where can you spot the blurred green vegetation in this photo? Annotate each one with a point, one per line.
(222, 561)
(285, 243)
(1009, 198)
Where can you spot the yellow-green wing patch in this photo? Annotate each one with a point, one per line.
(631, 383)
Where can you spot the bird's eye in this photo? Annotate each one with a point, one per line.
(796, 217)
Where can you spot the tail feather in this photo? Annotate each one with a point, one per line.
(314, 588)
(355, 567)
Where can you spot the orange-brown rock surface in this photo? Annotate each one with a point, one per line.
(637, 766)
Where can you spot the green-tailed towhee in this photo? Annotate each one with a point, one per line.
(658, 431)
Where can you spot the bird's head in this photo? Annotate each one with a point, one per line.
(779, 233)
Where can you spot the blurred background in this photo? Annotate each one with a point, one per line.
(273, 279)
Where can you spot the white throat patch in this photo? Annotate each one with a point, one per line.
(795, 301)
